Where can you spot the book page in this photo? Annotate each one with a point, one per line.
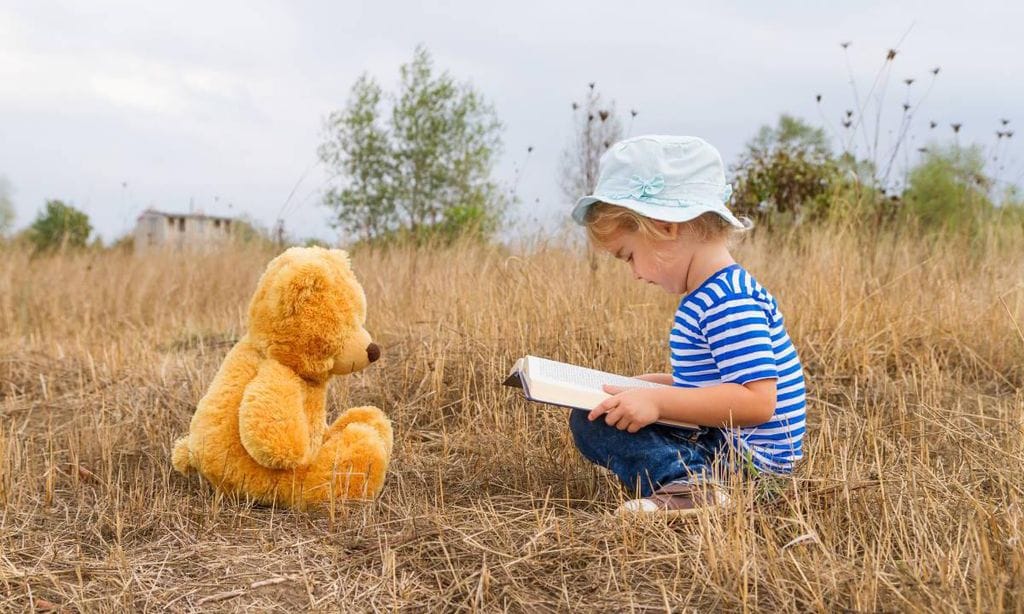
(582, 377)
(558, 383)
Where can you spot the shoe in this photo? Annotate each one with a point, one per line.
(677, 499)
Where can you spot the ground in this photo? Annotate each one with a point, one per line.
(909, 499)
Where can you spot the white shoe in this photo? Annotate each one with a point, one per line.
(678, 499)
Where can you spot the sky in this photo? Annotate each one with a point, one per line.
(218, 107)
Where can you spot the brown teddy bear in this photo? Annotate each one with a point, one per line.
(261, 431)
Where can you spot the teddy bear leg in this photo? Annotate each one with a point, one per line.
(180, 456)
(367, 414)
(351, 465)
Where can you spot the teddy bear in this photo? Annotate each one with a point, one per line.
(260, 431)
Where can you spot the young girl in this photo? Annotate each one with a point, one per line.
(659, 205)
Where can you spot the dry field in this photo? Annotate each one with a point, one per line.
(910, 497)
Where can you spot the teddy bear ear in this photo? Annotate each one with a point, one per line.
(341, 257)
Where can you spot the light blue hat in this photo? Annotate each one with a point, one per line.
(667, 178)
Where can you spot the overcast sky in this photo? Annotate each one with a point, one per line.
(119, 106)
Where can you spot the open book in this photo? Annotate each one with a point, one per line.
(558, 383)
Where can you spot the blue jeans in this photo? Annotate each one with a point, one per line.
(653, 456)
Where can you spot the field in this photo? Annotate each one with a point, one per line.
(910, 497)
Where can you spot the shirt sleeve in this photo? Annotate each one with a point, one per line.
(739, 338)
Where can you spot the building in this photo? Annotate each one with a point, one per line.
(159, 230)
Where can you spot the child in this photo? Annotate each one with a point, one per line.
(659, 205)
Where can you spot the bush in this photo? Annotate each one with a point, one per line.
(60, 226)
(6, 208)
(786, 173)
(949, 190)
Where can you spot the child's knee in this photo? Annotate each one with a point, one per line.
(596, 440)
(579, 425)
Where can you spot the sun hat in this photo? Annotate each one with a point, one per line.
(667, 178)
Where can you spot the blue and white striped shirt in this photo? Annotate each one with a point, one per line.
(730, 330)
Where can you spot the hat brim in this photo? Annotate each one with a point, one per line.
(664, 213)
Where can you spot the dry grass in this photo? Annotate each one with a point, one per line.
(910, 497)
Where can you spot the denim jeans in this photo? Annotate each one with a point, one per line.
(653, 456)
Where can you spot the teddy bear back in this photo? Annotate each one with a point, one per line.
(307, 302)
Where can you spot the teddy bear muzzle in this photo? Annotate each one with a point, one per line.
(357, 354)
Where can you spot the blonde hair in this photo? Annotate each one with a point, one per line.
(606, 221)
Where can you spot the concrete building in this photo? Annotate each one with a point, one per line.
(160, 230)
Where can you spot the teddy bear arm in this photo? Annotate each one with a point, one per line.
(272, 425)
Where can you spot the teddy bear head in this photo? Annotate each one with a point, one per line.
(309, 313)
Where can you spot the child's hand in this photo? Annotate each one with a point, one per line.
(628, 409)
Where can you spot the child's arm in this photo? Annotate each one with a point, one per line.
(738, 334)
(720, 405)
(657, 378)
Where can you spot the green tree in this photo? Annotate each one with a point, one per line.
(6, 207)
(59, 226)
(791, 134)
(787, 170)
(949, 189)
(359, 154)
(427, 171)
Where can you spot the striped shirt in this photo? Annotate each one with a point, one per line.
(730, 330)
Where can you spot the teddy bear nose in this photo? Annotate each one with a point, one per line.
(373, 352)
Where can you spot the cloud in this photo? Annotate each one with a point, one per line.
(215, 103)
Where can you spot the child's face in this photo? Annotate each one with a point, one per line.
(665, 263)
